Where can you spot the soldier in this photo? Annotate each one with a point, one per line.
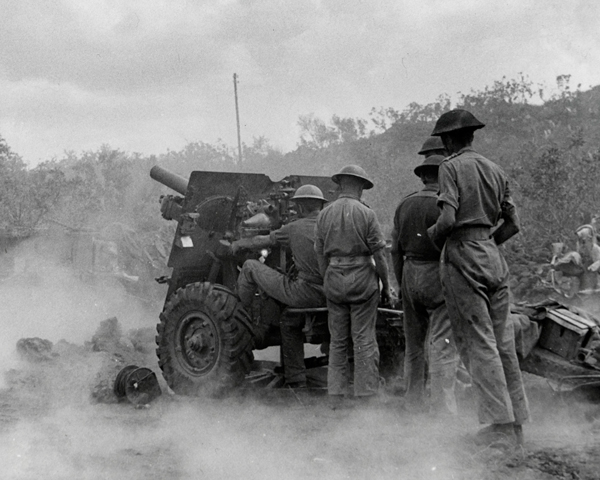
(583, 265)
(350, 251)
(433, 146)
(302, 292)
(474, 196)
(416, 265)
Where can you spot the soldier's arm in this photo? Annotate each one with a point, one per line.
(595, 266)
(280, 236)
(397, 253)
(444, 225)
(509, 228)
(511, 224)
(322, 259)
(323, 264)
(398, 265)
(253, 243)
(381, 266)
(376, 244)
(448, 203)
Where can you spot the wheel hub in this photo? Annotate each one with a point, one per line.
(199, 343)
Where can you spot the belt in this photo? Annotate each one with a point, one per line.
(416, 259)
(350, 260)
(310, 278)
(471, 233)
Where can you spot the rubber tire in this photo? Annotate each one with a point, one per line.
(231, 338)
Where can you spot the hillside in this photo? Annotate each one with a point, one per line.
(548, 144)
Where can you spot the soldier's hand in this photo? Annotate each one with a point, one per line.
(398, 300)
(224, 249)
(395, 298)
(435, 238)
(387, 298)
(236, 247)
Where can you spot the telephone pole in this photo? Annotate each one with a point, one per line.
(237, 118)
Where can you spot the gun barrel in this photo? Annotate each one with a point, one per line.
(169, 179)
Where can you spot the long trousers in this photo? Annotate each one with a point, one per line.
(292, 347)
(353, 323)
(428, 336)
(296, 293)
(475, 285)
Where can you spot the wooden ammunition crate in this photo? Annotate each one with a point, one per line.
(564, 332)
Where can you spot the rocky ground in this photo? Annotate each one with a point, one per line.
(59, 419)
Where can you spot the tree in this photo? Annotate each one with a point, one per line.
(26, 197)
(316, 134)
(199, 156)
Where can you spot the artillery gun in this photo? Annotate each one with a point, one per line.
(205, 338)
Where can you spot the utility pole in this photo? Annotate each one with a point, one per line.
(237, 118)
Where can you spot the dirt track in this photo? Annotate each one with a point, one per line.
(51, 428)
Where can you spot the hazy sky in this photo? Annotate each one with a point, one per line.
(150, 75)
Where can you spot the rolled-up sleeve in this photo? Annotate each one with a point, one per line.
(375, 240)
(507, 205)
(448, 187)
(281, 236)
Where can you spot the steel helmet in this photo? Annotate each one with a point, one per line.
(309, 192)
(354, 171)
(586, 232)
(456, 119)
(432, 143)
(431, 161)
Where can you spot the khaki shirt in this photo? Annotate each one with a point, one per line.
(348, 228)
(299, 236)
(476, 187)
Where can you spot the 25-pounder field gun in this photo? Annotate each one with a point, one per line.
(205, 337)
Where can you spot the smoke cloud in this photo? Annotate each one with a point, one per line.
(49, 428)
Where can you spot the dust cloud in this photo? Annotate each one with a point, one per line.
(181, 438)
(50, 427)
(51, 300)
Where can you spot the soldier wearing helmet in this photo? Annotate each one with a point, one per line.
(433, 146)
(350, 251)
(416, 265)
(304, 291)
(474, 195)
(583, 264)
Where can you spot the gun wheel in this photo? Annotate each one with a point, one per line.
(204, 344)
